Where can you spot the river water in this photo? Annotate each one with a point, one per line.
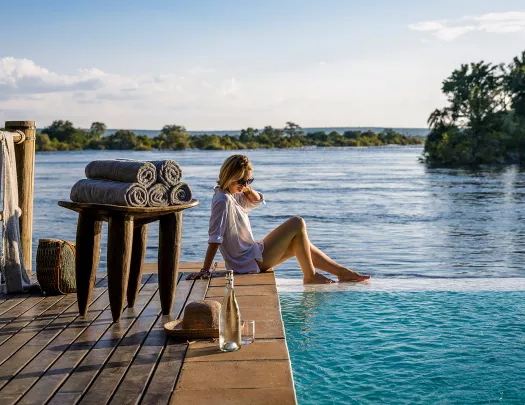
(376, 210)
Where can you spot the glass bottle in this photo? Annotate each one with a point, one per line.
(229, 319)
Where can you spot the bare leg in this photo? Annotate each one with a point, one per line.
(276, 254)
(291, 236)
(323, 262)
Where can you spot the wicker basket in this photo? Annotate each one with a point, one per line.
(55, 266)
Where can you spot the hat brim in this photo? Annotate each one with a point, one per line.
(174, 329)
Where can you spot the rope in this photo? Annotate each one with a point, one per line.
(22, 137)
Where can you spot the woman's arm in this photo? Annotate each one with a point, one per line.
(249, 198)
(210, 255)
(218, 225)
(252, 195)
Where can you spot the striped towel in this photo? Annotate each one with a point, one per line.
(168, 172)
(96, 191)
(123, 170)
(180, 194)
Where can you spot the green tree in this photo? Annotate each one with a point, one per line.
(475, 94)
(174, 137)
(63, 131)
(470, 129)
(248, 135)
(274, 135)
(515, 84)
(43, 143)
(98, 130)
(123, 139)
(292, 130)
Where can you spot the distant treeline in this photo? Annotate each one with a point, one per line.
(62, 135)
(484, 122)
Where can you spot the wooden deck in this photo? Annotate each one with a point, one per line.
(51, 355)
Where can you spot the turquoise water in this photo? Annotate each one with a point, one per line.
(426, 347)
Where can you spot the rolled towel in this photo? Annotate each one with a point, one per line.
(168, 172)
(158, 195)
(98, 191)
(180, 194)
(123, 170)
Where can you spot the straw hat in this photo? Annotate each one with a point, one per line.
(200, 320)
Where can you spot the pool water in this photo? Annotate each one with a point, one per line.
(406, 347)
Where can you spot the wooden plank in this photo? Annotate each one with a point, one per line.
(253, 301)
(11, 301)
(163, 382)
(15, 336)
(137, 212)
(31, 350)
(206, 351)
(239, 396)
(240, 374)
(245, 279)
(244, 290)
(10, 329)
(19, 309)
(187, 267)
(141, 371)
(81, 373)
(110, 376)
(30, 374)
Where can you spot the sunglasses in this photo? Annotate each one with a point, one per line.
(245, 182)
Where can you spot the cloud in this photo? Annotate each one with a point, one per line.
(25, 76)
(207, 99)
(448, 30)
(25, 85)
(426, 26)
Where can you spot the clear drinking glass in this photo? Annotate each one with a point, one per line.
(248, 332)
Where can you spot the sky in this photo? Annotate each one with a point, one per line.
(220, 65)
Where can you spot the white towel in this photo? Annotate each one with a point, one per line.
(12, 263)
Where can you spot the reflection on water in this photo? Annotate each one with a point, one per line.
(373, 209)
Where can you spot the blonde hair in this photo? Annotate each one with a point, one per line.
(234, 168)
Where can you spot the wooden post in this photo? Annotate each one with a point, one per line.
(120, 243)
(89, 231)
(25, 168)
(138, 252)
(170, 232)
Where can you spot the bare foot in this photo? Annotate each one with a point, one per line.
(318, 279)
(352, 276)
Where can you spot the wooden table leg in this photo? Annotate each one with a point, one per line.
(120, 240)
(87, 257)
(170, 230)
(138, 252)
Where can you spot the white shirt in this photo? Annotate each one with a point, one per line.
(230, 226)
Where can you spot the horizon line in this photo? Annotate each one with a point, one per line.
(238, 130)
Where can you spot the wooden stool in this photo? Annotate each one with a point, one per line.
(127, 237)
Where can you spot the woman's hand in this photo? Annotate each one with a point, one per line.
(203, 274)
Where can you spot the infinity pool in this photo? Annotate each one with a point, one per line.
(404, 347)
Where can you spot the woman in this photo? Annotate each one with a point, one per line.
(230, 231)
